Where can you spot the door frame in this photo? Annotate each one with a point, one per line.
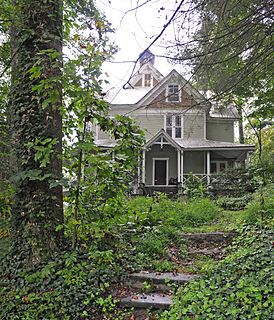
(153, 171)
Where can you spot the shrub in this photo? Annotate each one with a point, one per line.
(234, 203)
(261, 207)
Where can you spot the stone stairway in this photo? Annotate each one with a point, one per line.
(152, 290)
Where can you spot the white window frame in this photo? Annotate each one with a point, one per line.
(144, 80)
(168, 94)
(153, 171)
(173, 124)
(218, 162)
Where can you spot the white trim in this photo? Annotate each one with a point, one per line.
(144, 167)
(173, 124)
(208, 167)
(168, 94)
(204, 125)
(179, 166)
(153, 171)
(182, 167)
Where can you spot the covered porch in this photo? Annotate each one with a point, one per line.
(168, 164)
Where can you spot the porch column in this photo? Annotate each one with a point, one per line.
(208, 167)
(179, 165)
(144, 167)
(182, 167)
(139, 171)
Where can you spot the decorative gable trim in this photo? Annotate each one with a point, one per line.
(138, 77)
(173, 78)
(164, 135)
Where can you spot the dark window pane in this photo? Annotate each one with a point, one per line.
(213, 167)
(168, 121)
(169, 131)
(178, 121)
(222, 166)
(178, 132)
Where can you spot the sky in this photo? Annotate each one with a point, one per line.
(134, 31)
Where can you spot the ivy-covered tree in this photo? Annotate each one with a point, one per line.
(36, 39)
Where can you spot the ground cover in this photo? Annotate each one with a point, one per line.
(145, 235)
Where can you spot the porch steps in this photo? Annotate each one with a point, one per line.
(209, 238)
(151, 291)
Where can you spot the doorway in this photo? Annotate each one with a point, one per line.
(160, 172)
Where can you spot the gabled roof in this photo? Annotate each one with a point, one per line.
(146, 68)
(162, 133)
(172, 77)
(197, 144)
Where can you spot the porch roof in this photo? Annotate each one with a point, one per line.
(204, 144)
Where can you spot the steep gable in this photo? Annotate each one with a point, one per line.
(186, 94)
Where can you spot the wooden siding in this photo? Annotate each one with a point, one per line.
(193, 126)
(156, 152)
(160, 101)
(194, 162)
(220, 130)
(150, 123)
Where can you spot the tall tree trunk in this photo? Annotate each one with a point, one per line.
(36, 99)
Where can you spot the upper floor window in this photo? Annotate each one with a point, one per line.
(173, 93)
(147, 80)
(173, 125)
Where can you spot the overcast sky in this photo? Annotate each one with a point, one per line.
(134, 31)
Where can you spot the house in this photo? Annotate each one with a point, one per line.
(185, 135)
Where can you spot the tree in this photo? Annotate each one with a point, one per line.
(36, 126)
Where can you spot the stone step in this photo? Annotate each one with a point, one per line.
(147, 301)
(211, 252)
(216, 238)
(158, 281)
(162, 278)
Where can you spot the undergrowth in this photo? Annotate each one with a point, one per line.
(239, 287)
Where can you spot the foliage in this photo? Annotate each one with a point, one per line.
(74, 285)
(234, 203)
(261, 210)
(239, 287)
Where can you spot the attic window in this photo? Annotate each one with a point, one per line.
(147, 80)
(173, 93)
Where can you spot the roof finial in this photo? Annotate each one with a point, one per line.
(146, 57)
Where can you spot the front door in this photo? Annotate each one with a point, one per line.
(160, 172)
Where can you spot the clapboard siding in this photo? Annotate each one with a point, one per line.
(220, 130)
(150, 123)
(194, 126)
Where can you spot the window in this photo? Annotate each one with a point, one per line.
(173, 93)
(147, 80)
(217, 166)
(173, 125)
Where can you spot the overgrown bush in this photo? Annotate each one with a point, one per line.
(262, 207)
(234, 203)
(239, 287)
(73, 286)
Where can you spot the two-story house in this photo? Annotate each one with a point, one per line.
(184, 135)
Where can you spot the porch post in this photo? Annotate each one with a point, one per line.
(182, 167)
(139, 170)
(179, 165)
(208, 167)
(144, 167)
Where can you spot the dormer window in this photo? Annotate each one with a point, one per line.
(147, 80)
(173, 93)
